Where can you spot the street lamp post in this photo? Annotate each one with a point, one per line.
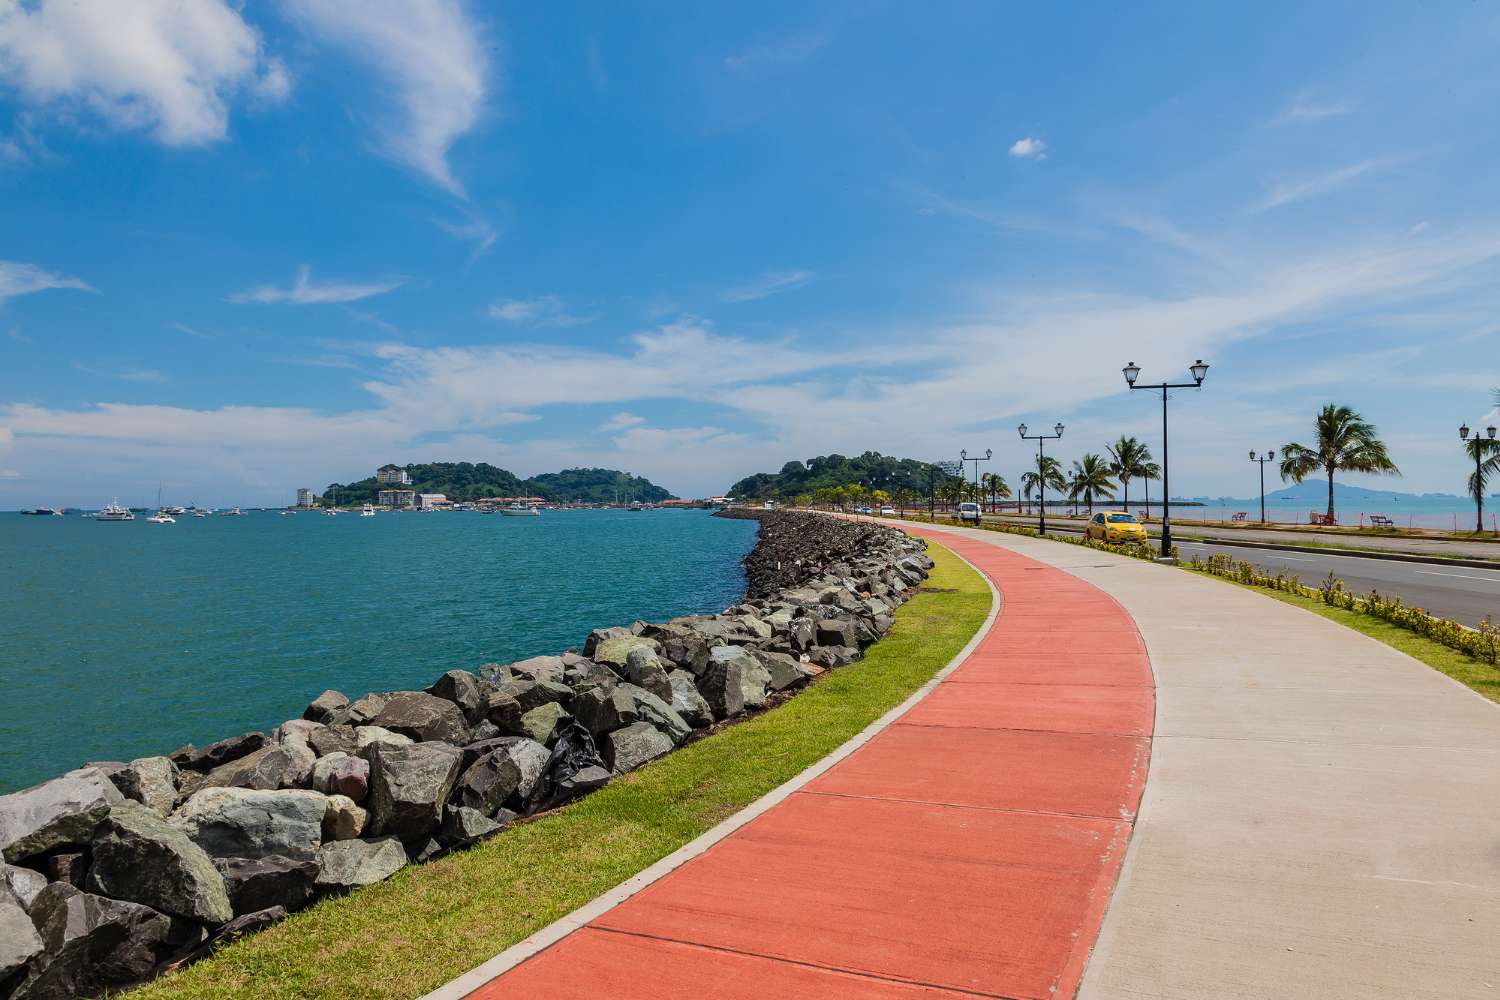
(963, 456)
(1463, 433)
(1041, 475)
(1269, 456)
(1199, 371)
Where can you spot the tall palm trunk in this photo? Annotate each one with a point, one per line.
(1330, 493)
(1125, 495)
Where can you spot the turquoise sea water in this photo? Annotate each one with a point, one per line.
(124, 639)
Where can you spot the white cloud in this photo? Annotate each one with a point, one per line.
(619, 422)
(304, 291)
(172, 66)
(1307, 107)
(1028, 148)
(17, 278)
(478, 233)
(124, 374)
(1319, 184)
(784, 52)
(544, 310)
(770, 283)
(431, 55)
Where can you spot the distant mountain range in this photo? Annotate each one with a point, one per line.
(473, 480)
(1314, 493)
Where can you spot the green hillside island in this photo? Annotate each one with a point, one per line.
(872, 469)
(460, 481)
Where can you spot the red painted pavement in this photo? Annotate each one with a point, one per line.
(968, 849)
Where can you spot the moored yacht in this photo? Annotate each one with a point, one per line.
(232, 512)
(114, 512)
(368, 510)
(519, 509)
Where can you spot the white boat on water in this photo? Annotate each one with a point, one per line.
(200, 512)
(163, 515)
(519, 509)
(367, 510)
(232, 512)
(114, 512)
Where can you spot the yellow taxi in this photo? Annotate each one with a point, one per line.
(1115, 526)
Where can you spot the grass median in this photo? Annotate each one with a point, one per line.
(429, 923)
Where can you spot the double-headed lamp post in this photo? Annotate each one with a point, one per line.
(1199, 371)
(1463, 433)
(1041, 475)
(1269, 456)
(963, 455)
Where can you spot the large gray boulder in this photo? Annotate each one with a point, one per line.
(629, 748)
(326, 708)
(463, 825)
(540, 668)
(651, 709)
(504, 712)
(65, 810)
(722, 681)
(19, 941)
(151, 781)
(92, 944)
(783, 671)
(687, 702)
(603, 709)
(254, 884)
(511, 769)
(22, 882)
(244, 822)
(341, 774)
(362, 711)
(531, 694)
(644, 669)
(333, 739)
(543, 722)
(367, 736)
(603, 635)
(277, 765)
(220, 753)
(615, 651)
(139, 857)
(424, 718)
(349, 864)
(462, 688)
(682, 646)
(409, 786)
(344, 820)
(835, 632)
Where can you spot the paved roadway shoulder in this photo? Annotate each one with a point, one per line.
(1321, 816)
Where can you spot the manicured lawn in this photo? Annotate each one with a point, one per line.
(429, 923)
(1476, 674)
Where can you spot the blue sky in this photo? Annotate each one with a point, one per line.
(246, 248)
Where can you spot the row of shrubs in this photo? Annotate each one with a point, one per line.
(1482, 643)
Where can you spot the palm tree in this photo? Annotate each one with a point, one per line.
(1129, 458)
(1091, 478)
(995, 487)
(1345, 441)
(1048, 473)
(1486, 455)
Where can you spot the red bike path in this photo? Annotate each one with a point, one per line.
(969, 849)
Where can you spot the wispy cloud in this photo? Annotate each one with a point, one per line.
(478, 233)
(304, 291)
(191, 331)
(17, 278)
(619, 422)
(768, 284)
(778, 54)
(124, 374)
(431, 55)
(1029, 148)
(14, 333)
(1320, 184)
(165, 65)
(1308, 108)
(544, 310)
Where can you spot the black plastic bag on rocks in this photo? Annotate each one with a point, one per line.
(574, 768)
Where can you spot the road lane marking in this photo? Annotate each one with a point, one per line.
(1461, 576)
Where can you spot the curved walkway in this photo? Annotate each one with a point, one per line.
(966, 850)
(1322, 814)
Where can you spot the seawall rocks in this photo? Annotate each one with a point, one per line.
(130, 867)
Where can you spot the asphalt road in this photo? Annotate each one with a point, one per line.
(1458, 592)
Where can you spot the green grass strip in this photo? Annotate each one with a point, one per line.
(429, 923)
(1472, 673)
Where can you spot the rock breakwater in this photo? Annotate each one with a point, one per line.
(115, 870)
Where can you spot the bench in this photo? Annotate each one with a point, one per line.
(1239, 517)
(1381, 521)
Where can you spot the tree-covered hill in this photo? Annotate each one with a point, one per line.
(877, 471)
(474, 480)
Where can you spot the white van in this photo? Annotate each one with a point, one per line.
(968, 511)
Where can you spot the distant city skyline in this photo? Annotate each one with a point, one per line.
(324, 235)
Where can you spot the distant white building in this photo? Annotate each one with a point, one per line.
(392, 475)
(396, 498)
(306, 497)
(431, 501)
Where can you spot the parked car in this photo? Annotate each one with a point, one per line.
(1115, 526)
(888, 511)
(968, 511)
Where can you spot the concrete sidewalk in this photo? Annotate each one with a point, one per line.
(1321, 816)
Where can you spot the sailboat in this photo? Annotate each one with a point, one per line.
(161, 516)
